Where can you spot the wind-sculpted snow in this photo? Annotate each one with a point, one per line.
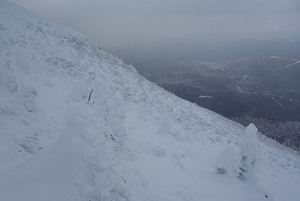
(77, 124)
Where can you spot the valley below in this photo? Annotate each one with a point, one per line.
(248, 81)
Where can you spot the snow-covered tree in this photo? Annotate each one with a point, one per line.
(249, 146)
(239, 161)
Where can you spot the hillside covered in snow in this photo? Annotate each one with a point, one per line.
(77, 124)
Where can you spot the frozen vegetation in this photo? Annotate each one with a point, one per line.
(77, 124)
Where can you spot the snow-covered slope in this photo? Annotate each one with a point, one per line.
(77, 124)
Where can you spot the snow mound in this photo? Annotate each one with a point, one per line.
(77, 124)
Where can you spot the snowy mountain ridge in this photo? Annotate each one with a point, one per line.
(77, 124)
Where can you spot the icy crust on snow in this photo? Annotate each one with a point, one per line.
(77, 123)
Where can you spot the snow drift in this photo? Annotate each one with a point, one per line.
(77, 124)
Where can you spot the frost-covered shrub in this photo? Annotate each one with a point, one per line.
(30, 144)
(28, 96)
(7, 78)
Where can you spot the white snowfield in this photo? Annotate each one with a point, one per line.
(77, 124)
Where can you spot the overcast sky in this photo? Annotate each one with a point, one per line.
(126, 22)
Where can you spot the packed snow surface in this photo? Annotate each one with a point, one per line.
(77, 124)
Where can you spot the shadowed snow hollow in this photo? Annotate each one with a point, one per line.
(77, 124)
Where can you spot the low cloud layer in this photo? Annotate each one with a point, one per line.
(119, 23)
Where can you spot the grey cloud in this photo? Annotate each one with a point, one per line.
(123, 22)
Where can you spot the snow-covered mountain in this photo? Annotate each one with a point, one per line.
(77, 124)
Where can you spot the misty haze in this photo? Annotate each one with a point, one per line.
(228, 56)
(200, 102)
